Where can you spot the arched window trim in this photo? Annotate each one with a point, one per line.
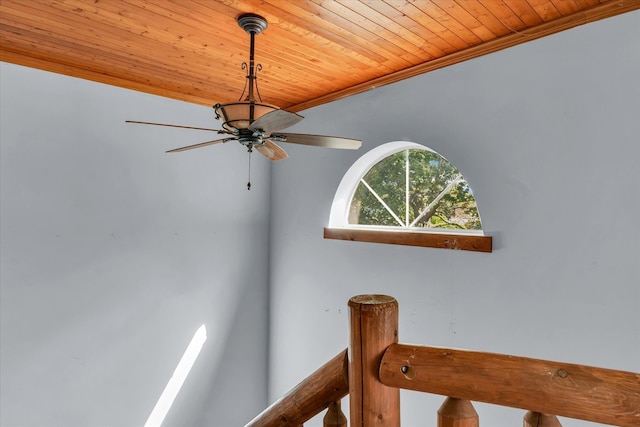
(339, 228)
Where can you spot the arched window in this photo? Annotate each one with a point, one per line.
(407, 187)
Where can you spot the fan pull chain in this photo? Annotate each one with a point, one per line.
(249, 182)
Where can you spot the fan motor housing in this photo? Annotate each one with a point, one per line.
(249, 138)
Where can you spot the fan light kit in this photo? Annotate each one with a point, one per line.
(253, 123)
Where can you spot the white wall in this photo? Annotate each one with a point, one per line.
(546, 133)
(114, 253)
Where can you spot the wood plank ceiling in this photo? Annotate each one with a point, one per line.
(313, 51)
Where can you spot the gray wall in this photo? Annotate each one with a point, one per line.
(546, 133)
(114, 253)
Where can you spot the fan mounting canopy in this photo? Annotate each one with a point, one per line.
(252, 23)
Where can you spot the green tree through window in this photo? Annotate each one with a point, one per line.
(414, 188)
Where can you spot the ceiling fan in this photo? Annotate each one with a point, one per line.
(253, 123)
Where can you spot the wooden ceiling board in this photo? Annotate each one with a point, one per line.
(454, 27)
(507, 16)
(418, 34)
(313, 51)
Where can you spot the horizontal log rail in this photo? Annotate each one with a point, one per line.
(576, 391)
(315, 393)
(375, 366)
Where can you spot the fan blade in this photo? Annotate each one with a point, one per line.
(320, 140)
(276, 120)
(271, 150)
(172, 126)
(202, 144)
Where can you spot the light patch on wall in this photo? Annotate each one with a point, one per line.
(180, 374)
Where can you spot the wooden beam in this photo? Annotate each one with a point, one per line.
(315, 393)
(430, 240)
(594, 394)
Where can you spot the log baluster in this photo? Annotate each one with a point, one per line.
(374, 326)
(457, 413)
(536, 419)
(334, 416)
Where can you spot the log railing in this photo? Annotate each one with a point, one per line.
(375, 367)
(314, 394)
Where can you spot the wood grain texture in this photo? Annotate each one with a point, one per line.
(313, 51)
(457, 413)
(536, 419)
(334, 416)
(594, 394)
(429, 240)
(374, 326)
(310, 397)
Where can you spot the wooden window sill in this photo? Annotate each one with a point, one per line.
(429, 240)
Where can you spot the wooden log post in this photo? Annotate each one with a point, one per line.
(457, 413)
(374, 326)
(536, 419)
(334, 416)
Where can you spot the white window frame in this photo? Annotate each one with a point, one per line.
(339, 215)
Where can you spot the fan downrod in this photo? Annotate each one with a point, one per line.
(252, 23)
